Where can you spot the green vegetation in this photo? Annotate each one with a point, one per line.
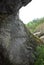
(40, 57)
(33, 24)
(40, 49)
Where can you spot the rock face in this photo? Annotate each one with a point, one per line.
(8, 7)
(17, 44)
(15, 39)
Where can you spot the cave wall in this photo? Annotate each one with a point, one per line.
(17, 44)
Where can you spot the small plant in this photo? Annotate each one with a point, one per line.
(40, 57)
(32, 25)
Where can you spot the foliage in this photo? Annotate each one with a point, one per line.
(33, 24)
(40, 57)
(40, 49)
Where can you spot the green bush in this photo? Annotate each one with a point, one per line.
(40, 49)
(33, 24)
(40, 57)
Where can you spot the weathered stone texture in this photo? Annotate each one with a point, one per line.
(17, 44)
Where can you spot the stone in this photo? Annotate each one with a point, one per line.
(39, 32)
(8, 7)
(17, 44)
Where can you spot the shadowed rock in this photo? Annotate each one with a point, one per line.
(8, 7)
(17, 44)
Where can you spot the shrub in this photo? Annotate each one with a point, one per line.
(40, 57)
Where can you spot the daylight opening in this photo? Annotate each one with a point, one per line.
(32, 11)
